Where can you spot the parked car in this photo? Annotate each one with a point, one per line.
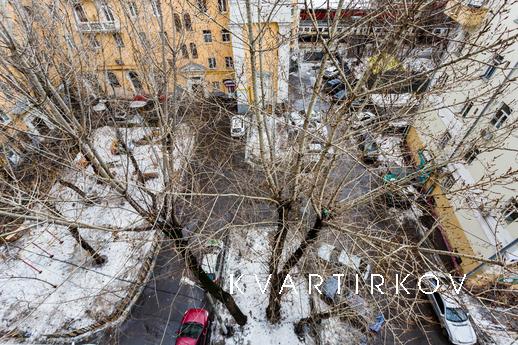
(330, 73)
(193, 328)
(212, 260)
(368, 148)
(363, 119)
(333, 86)
(452, 316)
(331, 254)
(237, 126)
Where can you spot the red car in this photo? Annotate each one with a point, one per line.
(193, 328)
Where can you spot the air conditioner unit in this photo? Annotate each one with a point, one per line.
(486, 134)
(119, 62)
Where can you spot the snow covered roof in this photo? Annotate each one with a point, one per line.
(333, 4)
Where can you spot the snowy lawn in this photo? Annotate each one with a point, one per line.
(248, 255)
(48, 283)
(485, 321)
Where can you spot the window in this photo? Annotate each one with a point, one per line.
(471, 155)
(80, 13)
(491, 69)
(225, 35)
(510, 212)
(207, 36)
(157, 10)
(94, 42)
(222, 5)
(466, 108)
(187, 22)
(212, 63)
(3, 117)
(202, 5)
(229, 62)
(444, 139)
(448, 182)
(132, 6)
(112, 79)
(194, 50)
(177, 22)
(108, 14)
(134, 78)
(183, 49)
(118, 40)
(143, 39)
(163, 35)
(501, 115)
(215, 85)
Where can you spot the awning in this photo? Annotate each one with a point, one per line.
(229, 83)
(138, 102)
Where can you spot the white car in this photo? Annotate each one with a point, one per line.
(211, 262)
(330, 253)
(452, 316)
(237, 126)
(363, 119)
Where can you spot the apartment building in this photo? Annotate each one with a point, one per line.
(123, 49)
(466, 136)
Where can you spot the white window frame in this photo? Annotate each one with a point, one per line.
(510, 208)
(227, 60)
(226, 34)
(157, 12)
(212, 62)
(108, 15)
(499, 120)
(119, 41)
(133, 10)
(224, 8)
(491, 69)
(76, 16)
(207, 34)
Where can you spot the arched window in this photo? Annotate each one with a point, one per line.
(108, 14)
(187, 22)
(80, 13)
(133, 76)
(112, 79)
(194, 50)
(185, 52)
(177, 22)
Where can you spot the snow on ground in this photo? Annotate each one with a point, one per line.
(496, 332)
(48, 283)
(275, 138)
(248, 255)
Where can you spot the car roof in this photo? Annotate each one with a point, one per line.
(195, 315)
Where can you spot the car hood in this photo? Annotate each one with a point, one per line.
(185, 341)
(461, 333)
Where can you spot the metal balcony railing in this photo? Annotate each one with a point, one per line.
(98, 27)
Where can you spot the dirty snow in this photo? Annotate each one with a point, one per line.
(248, 255)
(48, 283)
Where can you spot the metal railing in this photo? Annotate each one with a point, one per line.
(98, 26)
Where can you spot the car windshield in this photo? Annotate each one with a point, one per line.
(190, 330)
(456, 315)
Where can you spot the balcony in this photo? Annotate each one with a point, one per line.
(105, 26)
(469, 13)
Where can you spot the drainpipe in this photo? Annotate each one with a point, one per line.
(483, 112)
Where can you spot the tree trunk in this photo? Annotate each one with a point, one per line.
(174, 231)
(273, 311)
(99, 260)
